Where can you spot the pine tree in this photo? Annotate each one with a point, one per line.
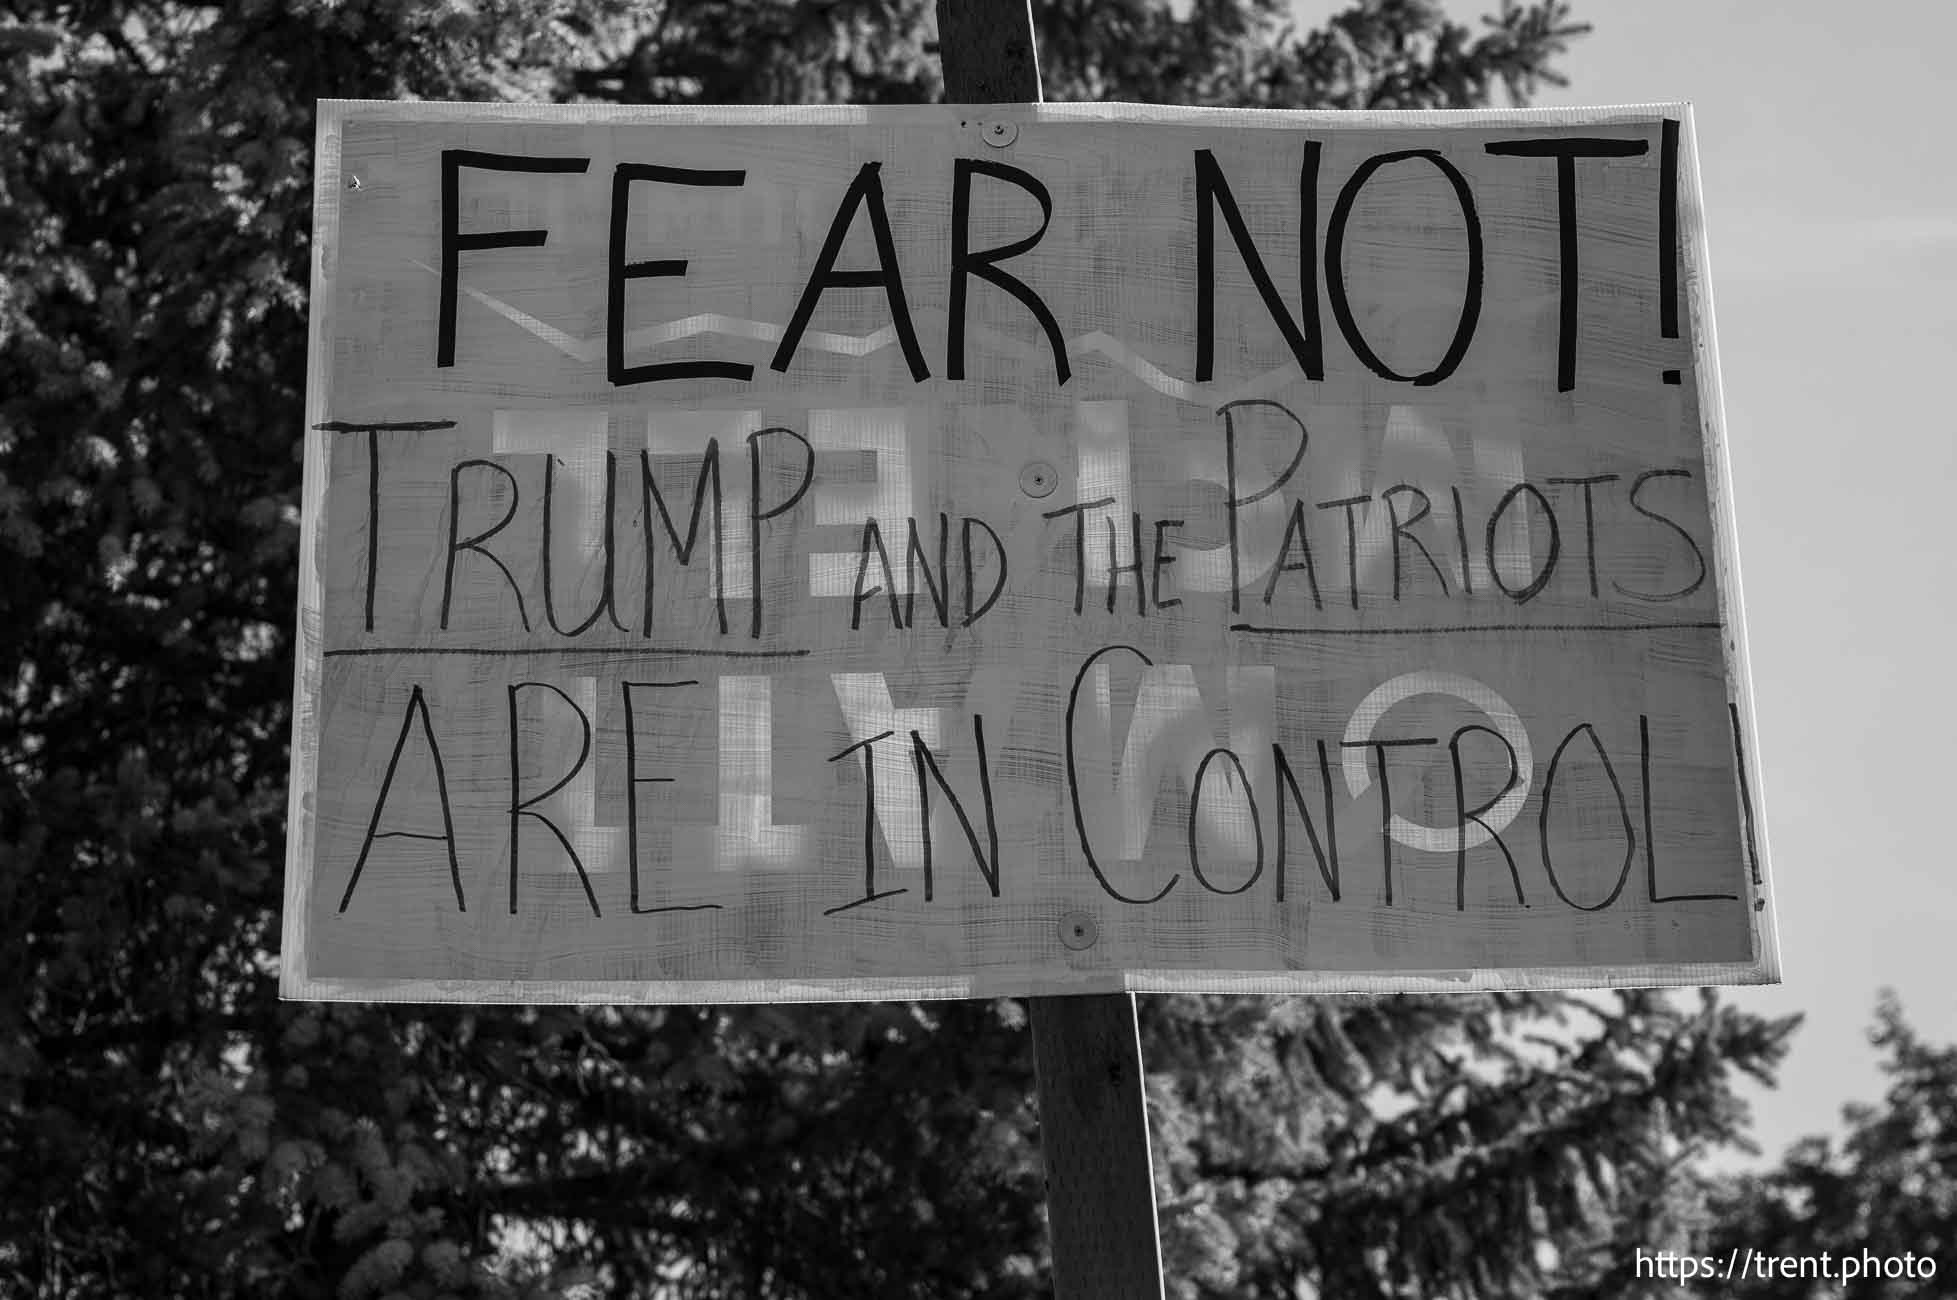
(1887, 1190)
(167, 1127)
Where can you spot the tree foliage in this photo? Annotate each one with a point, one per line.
(167, 1127)
(1889, 1187)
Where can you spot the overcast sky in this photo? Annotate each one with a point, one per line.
(1832, 214)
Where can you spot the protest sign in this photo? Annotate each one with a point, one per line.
(823, 553)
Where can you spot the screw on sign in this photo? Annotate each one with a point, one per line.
(1038, 479)
(1078, 931)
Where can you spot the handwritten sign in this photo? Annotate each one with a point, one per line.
(833, 553)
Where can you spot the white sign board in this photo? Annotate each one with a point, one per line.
(826, 553)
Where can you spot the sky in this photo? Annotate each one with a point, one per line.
(1831, 208)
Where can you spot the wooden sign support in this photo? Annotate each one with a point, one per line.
(1100, 1186)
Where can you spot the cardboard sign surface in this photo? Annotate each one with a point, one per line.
(832, 553)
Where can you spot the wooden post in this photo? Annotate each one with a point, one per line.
(1100, 1187)
(987, 50)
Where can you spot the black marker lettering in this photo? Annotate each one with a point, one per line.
(1566, 150)
(939, 585)
(1464, 331)
(1295, 527)
(1162, 561)
(1213, 195)
(1073, 784)
(755, 514)
(1195, 807)
(1589, 517)
(1522, 595)
(873, 537)
(1349, 504)
(373, 520)
(1232, 503)
(1637, 485)
(455, 243)
(866, 190)
(1623, 811)
(1668, 236)
(1079, 512)
(1116, 568)
(1466, 814)
(1746, 794)
(608, 601)
(652, 500)
(475, 543)
(1461, 539)
(618, 271)
(870, 894)
(925, 764)
(374, 432)
(1650, 831)
(1327, 852)
(521, 808)
(1400, 527)
(1379, 748)
(971, 573)
(632, 783)
(984, 264)
(417, 703)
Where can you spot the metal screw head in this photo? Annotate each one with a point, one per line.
(1038, 479)
(1001, 134)
(1078, 931)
